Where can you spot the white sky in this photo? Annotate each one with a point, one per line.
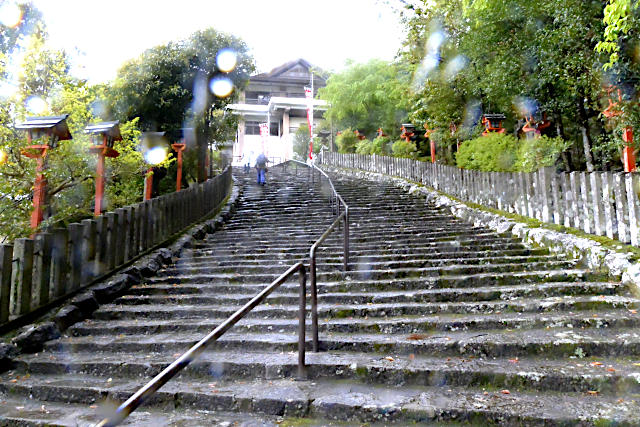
(324, 32)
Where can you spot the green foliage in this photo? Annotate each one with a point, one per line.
(619, 22)
(367, 96)
(379, 146)
(402, 148)
(347, 141)
(167, 87)
(534, 154)
(495, 152)
(504, 153)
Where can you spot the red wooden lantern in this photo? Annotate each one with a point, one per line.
(52, 129)
(493, 123)
(103, 136)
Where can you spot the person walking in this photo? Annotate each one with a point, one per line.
(261, 167)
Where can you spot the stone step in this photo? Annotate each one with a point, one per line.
(601, 375)
(367, 250)
(31, 412)
(423, 295)
(328, 262)
(521, 305)
(379, 257)
(412, 283)
(267, 275)
(612, 318)
(258, 272)
(345, 401)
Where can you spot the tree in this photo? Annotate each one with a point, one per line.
(70, 168)
(516, 57)
(367, 96)
(169, 87)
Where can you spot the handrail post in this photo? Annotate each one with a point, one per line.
(346, 238)
(301, 322)
(314, 298)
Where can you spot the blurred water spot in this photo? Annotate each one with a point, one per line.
(431, 59)
(221, 87)
(226, 60)
(10, 14)
(472, 113)
(423, 71)
(98, 108)
(7, 89)
(454, 66)
(3, 156)
(434, 42)
(525, 106)
(200, 93)
(35, 104)
(216, 370)
(155, 155)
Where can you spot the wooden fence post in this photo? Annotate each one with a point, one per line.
(59, 261)
(607, 199)
(598, 212)
(42, 268)
(622, 208)
(22, 275)
(631, 187)
(587, 219)
(6, 261)
(75, 257)
(121, 235)
(89, 237)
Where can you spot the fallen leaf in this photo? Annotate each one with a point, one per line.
(611, 370)
(593, 392)
(514, 360)
(417, 337)
(14, 380)
(633, 311)
(93, 406)
(596, 363)
(505, 392)
(389, 358)
(412, 356)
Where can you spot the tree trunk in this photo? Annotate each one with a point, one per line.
(565, 155)
(586, 135)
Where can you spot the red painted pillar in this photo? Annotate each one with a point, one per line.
(148, 184)
(97, 210)
(39, 192)
(628, 158)
(179, 149)
(433, 150)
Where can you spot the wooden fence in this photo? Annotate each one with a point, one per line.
(38, 271)
(601, 203)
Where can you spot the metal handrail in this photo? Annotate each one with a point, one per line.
(336, 203)
(139, 397)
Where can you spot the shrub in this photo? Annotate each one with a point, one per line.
(363, 147)
(534, 154)
(496, 153)
(402, 148)
(381, 146)
(347, 141)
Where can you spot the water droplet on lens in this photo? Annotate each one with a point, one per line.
(226, 60)
(221, 87)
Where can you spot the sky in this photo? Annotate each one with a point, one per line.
(101, 35)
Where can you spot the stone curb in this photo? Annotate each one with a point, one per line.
(591, 253)
(32, 338)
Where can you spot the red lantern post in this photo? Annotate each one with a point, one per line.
(104, 135)
(55, 129)
(179, 148)
(613, 110)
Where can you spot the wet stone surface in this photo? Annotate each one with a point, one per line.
(438, 322)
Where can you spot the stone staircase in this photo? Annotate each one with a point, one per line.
(438, 322)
